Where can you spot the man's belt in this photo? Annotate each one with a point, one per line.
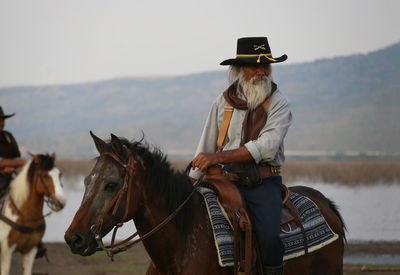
(269, 171)
(266, 171)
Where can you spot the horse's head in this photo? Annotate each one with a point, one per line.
(112, 195)
(45, 178)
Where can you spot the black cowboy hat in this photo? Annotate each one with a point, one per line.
(3, 116)
(253, 51)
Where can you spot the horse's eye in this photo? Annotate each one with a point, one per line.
(111, 186)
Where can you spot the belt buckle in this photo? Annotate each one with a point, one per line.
(276, 170)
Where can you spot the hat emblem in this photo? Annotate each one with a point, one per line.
(262, 47)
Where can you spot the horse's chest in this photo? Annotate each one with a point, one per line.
(24, 242)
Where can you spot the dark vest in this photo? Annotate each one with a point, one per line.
(8, 149)
(8, 146)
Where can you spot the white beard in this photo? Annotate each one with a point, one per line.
(255, 93)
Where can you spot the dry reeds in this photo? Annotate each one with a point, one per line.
(346, 172)
(73, 168)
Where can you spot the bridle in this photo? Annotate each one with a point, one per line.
(49, 198)
(126, 189)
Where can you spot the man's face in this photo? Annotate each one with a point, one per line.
(251, 71)
(2, 124)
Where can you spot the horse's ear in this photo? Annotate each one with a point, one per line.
(35, 158)
(116, 145)
(53, 156)
(98, 142)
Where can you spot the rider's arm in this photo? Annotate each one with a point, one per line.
(209, 136)
(204, 160)
(265, 147)
(14, 163)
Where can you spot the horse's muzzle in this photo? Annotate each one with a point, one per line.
(57, 204)
(80, 245)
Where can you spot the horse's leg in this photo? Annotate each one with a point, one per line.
(28, 260)
(328, 260)
(6, 253)
(152, 270)
(298, 265)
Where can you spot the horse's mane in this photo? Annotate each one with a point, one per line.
(20, 186)
(173, 186)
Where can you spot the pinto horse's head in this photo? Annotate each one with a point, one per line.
(46, 180)
(109, 185)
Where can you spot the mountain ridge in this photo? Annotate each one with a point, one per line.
(340, 104)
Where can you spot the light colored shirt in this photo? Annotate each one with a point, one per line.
(268, 147)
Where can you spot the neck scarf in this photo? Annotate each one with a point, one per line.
(254, 119)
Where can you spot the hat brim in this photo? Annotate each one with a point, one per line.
(7, 116)
(253, 60)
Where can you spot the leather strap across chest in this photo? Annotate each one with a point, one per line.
(223, 130)
(23, 228)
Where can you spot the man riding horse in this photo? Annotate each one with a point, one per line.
(10, 160)
(252, 145)
(9, 155)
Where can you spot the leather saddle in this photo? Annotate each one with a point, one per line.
(230, 197)
(232, 201)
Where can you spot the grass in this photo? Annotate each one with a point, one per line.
(135, 261)
(131, 269)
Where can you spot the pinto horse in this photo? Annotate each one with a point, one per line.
(130, 181)
(22, 224)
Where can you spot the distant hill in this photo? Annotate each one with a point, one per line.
(348, 103)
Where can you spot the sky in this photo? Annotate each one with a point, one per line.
(60, 42)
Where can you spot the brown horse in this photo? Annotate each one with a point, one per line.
(22, 224)
(152, 192)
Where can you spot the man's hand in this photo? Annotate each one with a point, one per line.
(203, 161)
(7, 170)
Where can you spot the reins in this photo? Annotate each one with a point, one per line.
(113, 248)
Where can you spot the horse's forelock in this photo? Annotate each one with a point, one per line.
(46, 162)
(137, 148)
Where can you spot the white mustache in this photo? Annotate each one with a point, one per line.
(258, 79)
(256, 89)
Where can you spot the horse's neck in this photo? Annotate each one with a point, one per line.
(20, 186)
(33, 207)
(168, 238)
(25, 199)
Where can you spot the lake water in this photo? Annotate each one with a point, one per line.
(370, 212)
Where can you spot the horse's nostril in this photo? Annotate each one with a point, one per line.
(75, 241)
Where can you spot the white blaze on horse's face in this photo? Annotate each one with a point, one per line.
(59, 202)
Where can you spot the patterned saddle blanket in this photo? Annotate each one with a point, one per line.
(317, 230)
